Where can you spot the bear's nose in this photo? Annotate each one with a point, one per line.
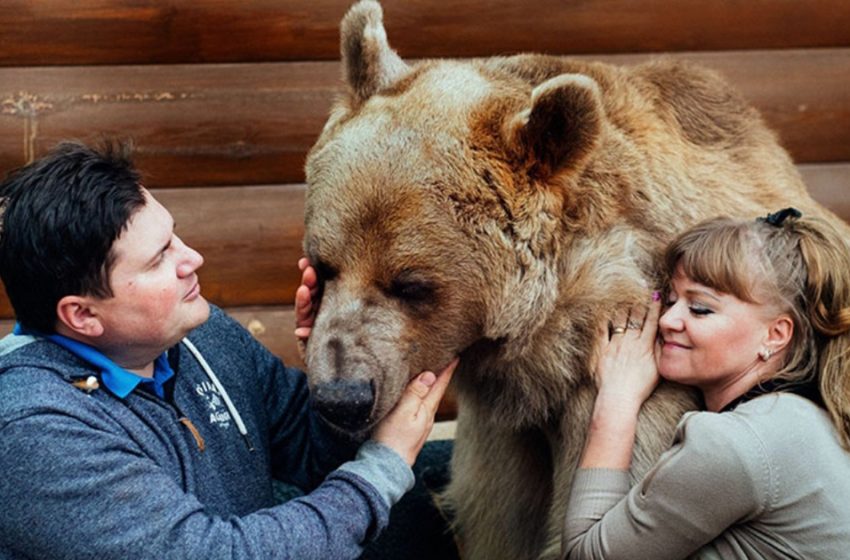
(344, 403)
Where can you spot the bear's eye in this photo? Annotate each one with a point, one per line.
(412, 290)
(324, 271)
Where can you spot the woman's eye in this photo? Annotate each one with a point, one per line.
(699, 310)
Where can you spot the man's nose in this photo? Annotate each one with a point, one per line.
(190, 260)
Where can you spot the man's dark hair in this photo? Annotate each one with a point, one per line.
(59, 217)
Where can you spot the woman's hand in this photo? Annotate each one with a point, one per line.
(626, 375)
(406, 427)
(626, 370)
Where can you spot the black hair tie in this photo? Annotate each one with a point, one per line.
(778, 218)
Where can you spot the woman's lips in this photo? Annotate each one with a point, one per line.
(671, 345)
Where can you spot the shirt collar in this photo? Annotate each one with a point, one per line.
(118, 380)
(807, 389)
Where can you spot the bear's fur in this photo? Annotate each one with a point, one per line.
(499, 209)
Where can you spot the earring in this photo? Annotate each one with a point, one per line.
(765, 354)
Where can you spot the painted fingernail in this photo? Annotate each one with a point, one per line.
(656, 295)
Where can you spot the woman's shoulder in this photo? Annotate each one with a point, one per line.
(750, 435)
(792, 430)
(780, 414)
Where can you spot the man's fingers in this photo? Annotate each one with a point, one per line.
(303, 307)
(309, 277)
(423, 383)
(438, 389)
(303, 333)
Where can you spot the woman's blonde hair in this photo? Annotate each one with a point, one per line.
(799, 266)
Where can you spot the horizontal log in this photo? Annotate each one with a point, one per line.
(34, 32)
(251, 124)
(251, 236)
(273, 326)
(191, 125)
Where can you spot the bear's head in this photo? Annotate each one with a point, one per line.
(438, 199)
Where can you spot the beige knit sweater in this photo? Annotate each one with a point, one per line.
(766, 480)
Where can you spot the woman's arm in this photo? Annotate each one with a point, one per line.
(711, 478)
(700, 487)
(626, 375)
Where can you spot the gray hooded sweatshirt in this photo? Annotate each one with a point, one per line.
(86, 474)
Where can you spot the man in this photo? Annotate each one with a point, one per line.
(136, 421)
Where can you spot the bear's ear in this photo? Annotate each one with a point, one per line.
(368, 61)
(561, 128)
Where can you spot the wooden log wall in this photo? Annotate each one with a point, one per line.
(223, 98)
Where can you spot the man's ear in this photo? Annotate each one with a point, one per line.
(77, 314)
(779, 334)
(561, 128)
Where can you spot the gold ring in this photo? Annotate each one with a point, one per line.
(618, 330)
(633, 325)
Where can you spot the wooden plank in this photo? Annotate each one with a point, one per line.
(34, 32)
(273, 326)
(803, 95)
(192, 125)
(254, 123)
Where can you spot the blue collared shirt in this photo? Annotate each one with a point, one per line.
(117, 379)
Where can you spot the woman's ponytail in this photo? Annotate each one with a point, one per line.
(827, 259)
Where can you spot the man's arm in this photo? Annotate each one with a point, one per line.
(76, 484)
(72, 489)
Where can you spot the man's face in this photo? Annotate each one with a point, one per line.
(156, 295)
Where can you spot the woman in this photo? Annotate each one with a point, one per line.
(756, 318)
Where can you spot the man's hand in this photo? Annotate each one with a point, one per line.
(305, 313)
(406, 427)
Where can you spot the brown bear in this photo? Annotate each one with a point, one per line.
(498, 209)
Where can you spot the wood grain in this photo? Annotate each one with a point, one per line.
(252, 124)
(98, 32)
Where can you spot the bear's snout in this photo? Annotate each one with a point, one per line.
(345, 403)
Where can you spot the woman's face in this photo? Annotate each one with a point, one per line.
(710, 340)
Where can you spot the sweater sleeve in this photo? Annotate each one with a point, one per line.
(715, 475)
(72, 488)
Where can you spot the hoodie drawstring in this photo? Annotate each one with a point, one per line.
(231, 409)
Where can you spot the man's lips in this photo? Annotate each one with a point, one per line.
(193, 292)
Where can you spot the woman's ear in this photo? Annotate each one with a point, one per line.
(779, 334)
(77, 314)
